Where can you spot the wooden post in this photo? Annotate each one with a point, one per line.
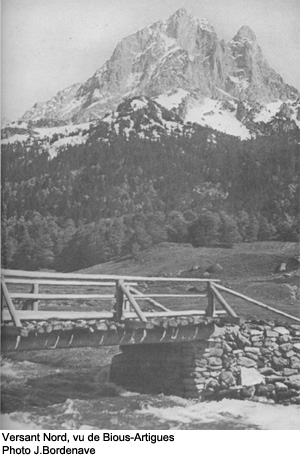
(119, 301)
(211, 300)
(223, 302)
(133, 302)
(10, 305)
(35, 304)
(2, 303)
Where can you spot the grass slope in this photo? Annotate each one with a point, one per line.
(250, 268)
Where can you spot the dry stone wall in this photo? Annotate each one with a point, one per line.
(257, 360)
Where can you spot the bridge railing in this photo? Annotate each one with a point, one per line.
(123, 294)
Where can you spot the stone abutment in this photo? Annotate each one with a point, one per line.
(257, 360)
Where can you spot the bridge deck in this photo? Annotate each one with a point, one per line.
(98, 315)
(53, 333)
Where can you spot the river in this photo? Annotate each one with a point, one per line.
(44, 391)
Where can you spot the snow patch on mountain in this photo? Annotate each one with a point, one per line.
(240, 82)
(138, 104)
(64, 142)
(65, 130)
(269, 111)
(172, 99)
(212, 114)
(22, 138)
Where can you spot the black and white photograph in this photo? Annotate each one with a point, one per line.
(150, 259)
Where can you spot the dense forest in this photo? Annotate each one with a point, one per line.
(115, 195)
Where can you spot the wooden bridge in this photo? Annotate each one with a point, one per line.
(42, 310)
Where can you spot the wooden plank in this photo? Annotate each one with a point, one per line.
(257, 303)
(150, 300)
(101, 315)
(48, 296)
(29, 281)
(11, 307)
(72, 276)
(223, 302)
(133, 302)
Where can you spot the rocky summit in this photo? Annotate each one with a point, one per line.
(181, 63)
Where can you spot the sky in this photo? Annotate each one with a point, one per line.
(47, 45)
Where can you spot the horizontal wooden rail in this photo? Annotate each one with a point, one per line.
(168, 295)
(62, 276)
(16, 281)
(257, 303)
(48, 296)
(95, 296)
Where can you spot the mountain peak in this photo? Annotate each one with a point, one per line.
(182, 53)
(245, 32)
(182, 16)
(181, 12)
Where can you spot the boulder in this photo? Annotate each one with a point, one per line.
(252, 356)
(252, 350)
(212, 384)
(284, 339)
(245, 362)
(296, 347)
(280, 386)
(255, 333)
(294, 362)
(279, 363)
(215, 352)
(251, 377)
(227, 379)
(241, 340)
(267, 371)
(289, 354)
(265, 351)
(271, 334)
(248, 392)
(238, 352)
(270, 342)
(294, 381)
(214, 361)
(281, 330)
(274, 378)
(264, 390)
(286, 347)
(226, 347)
(289, 371)
(285, 394)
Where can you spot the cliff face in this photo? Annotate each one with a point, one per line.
(182, 53)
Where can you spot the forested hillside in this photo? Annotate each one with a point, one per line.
(116, 194)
